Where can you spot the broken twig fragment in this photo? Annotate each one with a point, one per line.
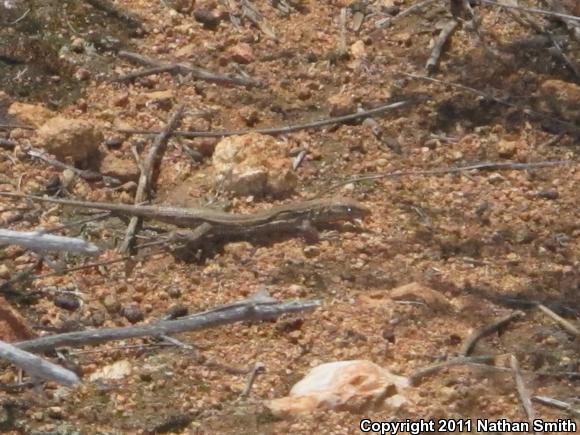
(37, 367)
(39, 241)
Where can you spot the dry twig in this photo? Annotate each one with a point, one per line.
(491, 166)
(251, 311)
(187, 69)
(444, 35)
(571, 127)
(419, 374)
(522, 390)
(273, 131)
(40, 241)
(148, 176)
(555, 403)
(533, 10)
(37, 367)
(471, 342)
(560, 320)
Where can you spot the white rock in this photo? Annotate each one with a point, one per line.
(253, 164)
(343, 385)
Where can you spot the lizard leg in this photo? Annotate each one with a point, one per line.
(193, 240)
(309, 231)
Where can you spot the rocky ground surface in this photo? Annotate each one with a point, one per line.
(470, 247)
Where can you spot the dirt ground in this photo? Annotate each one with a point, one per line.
(489, 242)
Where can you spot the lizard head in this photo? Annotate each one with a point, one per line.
(345, 209)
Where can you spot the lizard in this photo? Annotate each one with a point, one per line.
(298, 216)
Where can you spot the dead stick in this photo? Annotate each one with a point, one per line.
(419, 374)
(386, 22)
(522, 390)
(560, 320)
(526, 110)
(185, 69)
(283, 130)
(555, 403)
(37, 367)
(83, 173)
(477, 335)
(491, 166)
(444, 35)
(258, 368)
(533, 10)
(14, 126)
(148, 176)
(212, 319)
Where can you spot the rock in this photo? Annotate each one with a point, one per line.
(209, 18)
(506, 149)
(13, 327)
(358, 49)
(343, 385)
(122, 169)
(33, 115)
(133, 313)
(115, 371)
(253, 164)
(242, 53)
(341, 104)
(183, 6)
(121, 100)
(82, 74)
(4, 272)
(250, 115)
(67, 301)
(561, 97)
(162, 100)
(65, 137)
(416, 292)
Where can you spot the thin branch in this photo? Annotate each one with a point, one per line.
(149, 174)
(569, 327)
(555, 403)
(419, 374)
(532, 10)
(491, 166)
(446, 33)
(284, 130)
(569, 125)
(37, 367)
(258, 368)
(522, 390)
(477, 335)
(83, 173)
(187, 69)
(40, 241)
(14, 126)
(211, 319)
(387, 22)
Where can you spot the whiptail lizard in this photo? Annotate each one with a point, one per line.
(299, 216)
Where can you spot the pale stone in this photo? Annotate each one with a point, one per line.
(73, 138)
(253, 164)
(419, 293)
(33, 115)
(343, 385)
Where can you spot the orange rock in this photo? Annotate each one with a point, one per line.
(343, 385)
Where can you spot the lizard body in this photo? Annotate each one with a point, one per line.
(285, 217)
